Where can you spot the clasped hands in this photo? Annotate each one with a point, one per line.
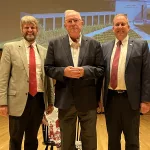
(74, 72)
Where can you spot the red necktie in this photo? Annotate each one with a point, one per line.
(114, 69)
(32, 73)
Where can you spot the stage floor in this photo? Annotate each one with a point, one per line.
(101, 134)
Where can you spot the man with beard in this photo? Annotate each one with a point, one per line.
(75, 61)
(25, 91)
(127, 85)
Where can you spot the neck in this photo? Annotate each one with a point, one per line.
(75, 39)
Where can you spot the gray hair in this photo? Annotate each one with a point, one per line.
(68, 12)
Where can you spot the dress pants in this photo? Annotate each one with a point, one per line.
(120, 117)
(27, 124)
(68, 118)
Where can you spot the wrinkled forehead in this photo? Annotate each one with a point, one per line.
(72, 16)
(120, 19)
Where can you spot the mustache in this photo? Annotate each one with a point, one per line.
(30, 34)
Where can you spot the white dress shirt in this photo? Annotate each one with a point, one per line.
(40, 87)
(121, 66)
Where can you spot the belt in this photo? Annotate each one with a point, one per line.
(118, 91)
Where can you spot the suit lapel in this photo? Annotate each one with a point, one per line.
(67, 49)
(129, 49)
(83, 48)
(42, 57)
(109, 53)
(23, 55)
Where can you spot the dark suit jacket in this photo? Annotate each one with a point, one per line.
(137, 71)
(81, 92)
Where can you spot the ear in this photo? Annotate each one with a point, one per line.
(113, 28)
(64, 25)
(82, 22)
(128, 27)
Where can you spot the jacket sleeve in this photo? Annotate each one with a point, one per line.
(49, 91)
(5, 71)
(96, 70)
(50, 68)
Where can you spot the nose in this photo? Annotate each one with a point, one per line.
(72, 22)
(120, 26)
(29, 29)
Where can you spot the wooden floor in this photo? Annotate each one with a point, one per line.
(101, 134)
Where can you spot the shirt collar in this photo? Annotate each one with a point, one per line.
(79, 40)
(27, 44)
(124, 40)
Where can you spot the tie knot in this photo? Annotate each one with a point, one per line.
(119, 43)
(75, 45)
(31, 46)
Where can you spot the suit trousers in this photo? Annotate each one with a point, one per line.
(27, 124)
(120, 117)
(68, 118)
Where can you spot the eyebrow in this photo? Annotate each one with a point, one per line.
(122, 23)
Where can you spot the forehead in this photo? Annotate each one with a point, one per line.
(120, 19)
(72, 16)
(29, 25)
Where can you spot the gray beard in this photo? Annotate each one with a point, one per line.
(30, 38)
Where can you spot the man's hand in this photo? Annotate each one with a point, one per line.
(81, 70)
(74, 72)
(4, 111)
(44, 121)
(145, 107)
(50, 109)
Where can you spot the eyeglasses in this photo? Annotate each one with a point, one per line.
(120, 24)
(70, 21)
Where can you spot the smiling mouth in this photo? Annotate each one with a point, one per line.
(29, 34)
(74, 30)
(120, 32)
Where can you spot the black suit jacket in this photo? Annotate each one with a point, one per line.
(81, 92)
(137, 71)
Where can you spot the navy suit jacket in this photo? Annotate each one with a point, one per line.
(137, 71)
(68, 91)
